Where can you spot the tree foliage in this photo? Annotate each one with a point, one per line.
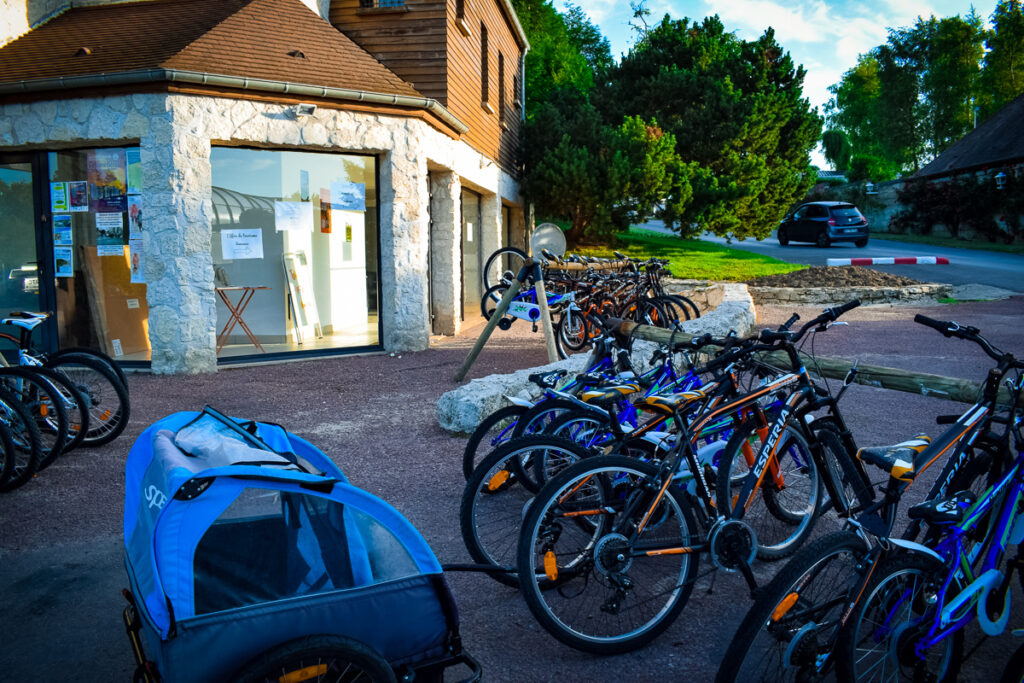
(743, 130)
(555, 61)
(911, 98)
(588, 40)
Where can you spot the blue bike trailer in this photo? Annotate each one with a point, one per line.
(241, 536)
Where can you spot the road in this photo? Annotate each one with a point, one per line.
(966, 266)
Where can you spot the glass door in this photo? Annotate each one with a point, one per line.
(19, 258)
(472, 278)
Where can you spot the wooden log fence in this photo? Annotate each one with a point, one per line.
(925, 384)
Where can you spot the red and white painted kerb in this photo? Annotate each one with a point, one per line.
(889, 261)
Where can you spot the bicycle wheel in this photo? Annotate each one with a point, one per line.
(92, 353)
(496, 498)
(502, 262)
(584, 579)
(7, 455)
(75, 405)
(25, 436)
(572, 332)
(790, 630)
(321, 658)
(495, 430)
(106, 397)
(897, 608)
(674, 308)
(45, 403)
(781, 511)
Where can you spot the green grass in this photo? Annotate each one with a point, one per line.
(693, 259)
(950, 242)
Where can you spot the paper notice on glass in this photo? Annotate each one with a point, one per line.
(107, 183)
(325, 210)
(62, 230)
(110, 250)
(118, 349)
(109, 228)
(348, 196)
(58, 197)
(242, 243)
(135, 249)
(293, 216)
(78, 195)
(63, 262)
(304, 186)
(133, 166)
(134, 216)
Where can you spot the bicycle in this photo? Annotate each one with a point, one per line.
(619, 543)
(792, 630)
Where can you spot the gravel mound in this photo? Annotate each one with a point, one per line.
(833, 276)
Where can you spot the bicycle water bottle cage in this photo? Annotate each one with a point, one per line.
(898, 459)
(944, 510)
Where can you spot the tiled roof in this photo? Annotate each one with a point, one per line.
(998, 140)
(278, 40)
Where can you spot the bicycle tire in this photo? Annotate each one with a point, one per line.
(107, 398)
(75, 404)
(677, 311)
(880, 602)
(43, 400)
(494, 270)
(495, 498)
(495, 430)
(327, 657)
(787, 646)
(569, 589)
(6, 452)
(1014, 671)
(781, 518)
(93, 353)
(572, 332)
(26, 440)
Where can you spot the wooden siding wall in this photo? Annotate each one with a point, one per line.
(485, 132)
(424, 46)
(410, 42)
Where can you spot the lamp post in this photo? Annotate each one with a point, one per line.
(1000, 180)
(869, 188)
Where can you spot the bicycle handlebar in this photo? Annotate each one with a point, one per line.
(950, 328)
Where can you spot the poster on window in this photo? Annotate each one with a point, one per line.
(293, 216)
(325, 210)
(110, 234)
(62, 230)
(78, 195)
(304, 186)
(135, 253)
(107, 183)
(58, 197)
(348, 196)
(242, 243)
(63, 262)
(133, 168)
(134, 216)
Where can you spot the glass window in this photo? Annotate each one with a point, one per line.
(484, 85)
(472, 268)
(847, 211)
(269, 545)
(19, 276)
(97, 216)
(295, 246)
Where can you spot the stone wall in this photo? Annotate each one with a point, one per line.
(828, 296)
(175, 134)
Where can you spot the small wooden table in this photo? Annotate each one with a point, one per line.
(236, 311)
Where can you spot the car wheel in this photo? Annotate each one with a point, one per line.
(783, 235)
(862, 242)
(823, 241)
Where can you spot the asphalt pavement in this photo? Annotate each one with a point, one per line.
(61, 549)
(966, 266)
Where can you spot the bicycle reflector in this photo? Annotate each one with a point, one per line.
(783, 607)
(550, 565)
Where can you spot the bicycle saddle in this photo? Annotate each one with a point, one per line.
(673, 402)
(25, 319)
(547, 380)
(898, 459)
(944, 510)
(610, 394)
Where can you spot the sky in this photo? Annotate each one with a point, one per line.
(825, 36)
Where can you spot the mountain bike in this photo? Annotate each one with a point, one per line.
(794, 626)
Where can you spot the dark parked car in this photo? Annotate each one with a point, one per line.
(824, 223)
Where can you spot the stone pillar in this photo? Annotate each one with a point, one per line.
(446, 233)
(490, 225)
(176, 243)
(403, 243)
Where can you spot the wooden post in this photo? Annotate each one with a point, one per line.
(545, 314)
(925, 384)
(503, 305)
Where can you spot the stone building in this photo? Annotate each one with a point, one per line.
(187, 183)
